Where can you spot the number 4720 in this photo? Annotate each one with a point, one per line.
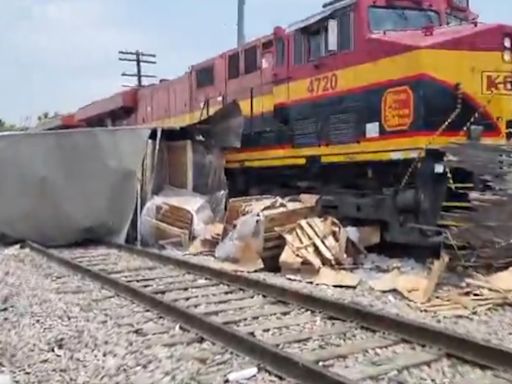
(321, 84)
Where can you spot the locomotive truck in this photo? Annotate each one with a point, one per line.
(354, 103)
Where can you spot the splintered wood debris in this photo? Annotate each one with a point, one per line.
(287, 235)
(476, 294)
(318, 249)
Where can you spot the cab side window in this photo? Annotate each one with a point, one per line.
(205, 77)
(280, 52)
(346, 31)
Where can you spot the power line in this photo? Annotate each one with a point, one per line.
(139, 58)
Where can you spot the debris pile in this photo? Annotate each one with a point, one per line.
(476, 294)
(253, 223)
(175, 217)
(288, 235)
(318, 249)
(485, 229)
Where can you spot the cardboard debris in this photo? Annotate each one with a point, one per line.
(416, 288)
(387, 282)
(309, 199)
(369, 236)
(237, 208)
(208, 242)
(328, 276)
(501, 280)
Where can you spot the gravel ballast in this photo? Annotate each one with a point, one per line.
(58, 327)
(493, 325)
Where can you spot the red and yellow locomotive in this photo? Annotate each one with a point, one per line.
(344, 103)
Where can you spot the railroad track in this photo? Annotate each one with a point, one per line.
(297, 335)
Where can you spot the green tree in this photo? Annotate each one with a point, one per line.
(4, 126)
(43, 116)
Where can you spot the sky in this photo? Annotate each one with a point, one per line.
(57, 55)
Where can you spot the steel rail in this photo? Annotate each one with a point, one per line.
(452, 343)
(280, 362)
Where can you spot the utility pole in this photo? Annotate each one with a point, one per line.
(241, 22)
(139, 58)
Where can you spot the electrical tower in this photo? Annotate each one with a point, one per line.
(139, 58)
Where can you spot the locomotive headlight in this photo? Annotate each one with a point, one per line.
(507, 42)
(507, 56)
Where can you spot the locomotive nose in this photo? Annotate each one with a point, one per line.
(479, 57)
(496, 75)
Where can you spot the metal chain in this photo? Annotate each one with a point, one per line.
(476, 115)
(422, 152)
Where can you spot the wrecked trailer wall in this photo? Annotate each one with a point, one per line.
(62, 187)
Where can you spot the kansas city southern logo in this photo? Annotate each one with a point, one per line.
(397, 108)
(499, 83)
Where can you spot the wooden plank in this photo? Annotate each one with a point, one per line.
(234, 208)
(87, 258)
(274, 243)
(191, 295)
(175, 220)
(384, 366)
(269, 236)
(133, 279)
(119, 272)
(325, 234)
(176, 223)
(170, 232)
(135, 275)
(173, 212)
(226, 319)
(180, 164)
(282, 216)
(218, 299)
(170, 280)
(307, 252)
(276, 324)
(180, 287)
(230, 306)
(301, 336)
(324, 251)
(100, 263)
(349, 349)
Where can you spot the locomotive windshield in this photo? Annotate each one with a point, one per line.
(396, 19)
(455, 20)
